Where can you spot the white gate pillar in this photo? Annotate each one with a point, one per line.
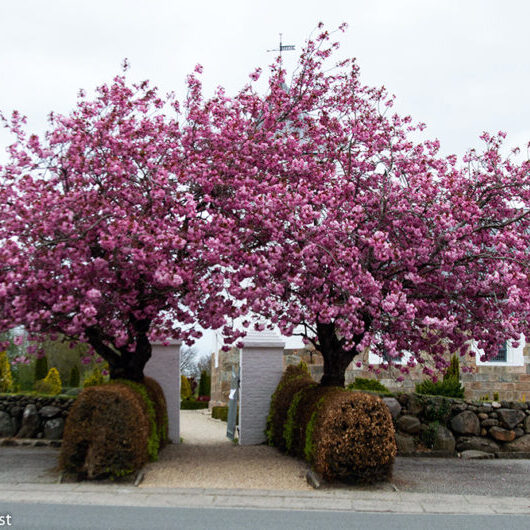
(164, 367)
(261, 367)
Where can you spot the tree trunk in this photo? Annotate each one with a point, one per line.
(124, 364)
(336, 358)
(335, 364)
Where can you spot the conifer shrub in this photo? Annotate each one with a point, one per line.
(293, 379)
(185, 388)
(106, 433)
(453, 371)
(350, 436)
(94, 379)
(6, 377)
(449, 387)
(75, 377)
(41, 368)
(204, 384)
(51, 384)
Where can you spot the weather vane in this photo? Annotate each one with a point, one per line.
(283, 47)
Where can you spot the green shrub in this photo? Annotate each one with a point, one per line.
(293, 379)
(106, 433)
(41, 368)
(51, 384)
(193, 404)
(204, 384)
(94, 379)
(185, 388)
(428, 436)
(6, 378)
(449, 387)
(454, 369)
(436, 409)
(75, 377)
(220, 413)
(159, 401)
(153, 440)
(371, 385)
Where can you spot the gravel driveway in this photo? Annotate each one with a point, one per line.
(207, 459)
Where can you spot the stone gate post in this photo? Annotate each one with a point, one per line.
(261, 362)
(164, 366)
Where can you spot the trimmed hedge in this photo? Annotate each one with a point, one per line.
(220, 413)
(294, 379)
(106, 433)
(352, 437)
(156, 394)
(192, 404)
(343, 434)
(114, 429)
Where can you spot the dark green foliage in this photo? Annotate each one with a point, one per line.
(429, 435)
(449, 387)
(159, 401)
(220, 413)
(204, 384)
(41, 368)
(436, 409)
(193, 404)
(372, 385)
(153, 440)
(454, 369)
(75, 377)
(293, 379)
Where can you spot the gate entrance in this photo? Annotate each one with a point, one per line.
(261, 366)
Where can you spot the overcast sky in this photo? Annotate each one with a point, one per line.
(462, 67)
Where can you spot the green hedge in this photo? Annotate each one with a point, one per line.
(370, 385)
(220, 413)
(192, 404)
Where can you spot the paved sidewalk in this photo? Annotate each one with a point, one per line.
(337, 500)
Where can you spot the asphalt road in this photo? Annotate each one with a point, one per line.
(51, 516)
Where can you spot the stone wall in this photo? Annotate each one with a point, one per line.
(23, 416)
(222, 377)
(434, 424)
(511, 383)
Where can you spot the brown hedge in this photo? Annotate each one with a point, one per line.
(352, 437)
(106, 433)
(293, 379)
(156, 394)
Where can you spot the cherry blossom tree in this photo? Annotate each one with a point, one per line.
(361, 237)
(101, 235)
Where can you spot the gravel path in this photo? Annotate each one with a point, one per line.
(207, 459)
